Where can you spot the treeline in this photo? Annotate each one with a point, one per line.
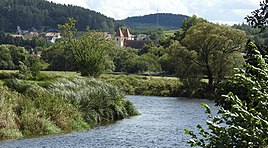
(165, 21)
(42, 14)
(27, 43)
(259, 36)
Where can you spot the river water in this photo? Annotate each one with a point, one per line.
(160, 124)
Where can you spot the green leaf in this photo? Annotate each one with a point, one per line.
(186, 131)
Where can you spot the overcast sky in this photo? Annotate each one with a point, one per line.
(221, 11)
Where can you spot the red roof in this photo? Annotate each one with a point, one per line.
(127, 34)
(119, 33)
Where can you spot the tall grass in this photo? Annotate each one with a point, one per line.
(98, 101)
(64, 104)
(8, 118)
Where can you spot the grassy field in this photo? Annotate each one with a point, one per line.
(170, 32)
(144, 85)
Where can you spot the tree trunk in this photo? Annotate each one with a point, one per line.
(210, 79)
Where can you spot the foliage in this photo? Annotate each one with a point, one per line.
(245, 122)
(121, 56)
(24, 71)
(98, 101)
(144, 63)
(212, 46)
(89, 53)
(166, 21)
(68, 32)
(5, 58)
(55, 55)
(259, 16)
(259, 38)
(62, 105)
(68, 29)
(8, 118)
(42, 14)
(144, 85)
(19, 41)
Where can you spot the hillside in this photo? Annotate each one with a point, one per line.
(42, 14)
(166, 21)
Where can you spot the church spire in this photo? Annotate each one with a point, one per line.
(127, 35)
(119, 33)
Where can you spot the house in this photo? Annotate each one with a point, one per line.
(52, 36)
(126, 40)
(17, 36)
(107, 35)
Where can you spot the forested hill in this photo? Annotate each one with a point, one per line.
(165, 20)
(44, 14)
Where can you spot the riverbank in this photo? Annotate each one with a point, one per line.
(53, 104)
(129, 84)
(145, 85)
(161, 124)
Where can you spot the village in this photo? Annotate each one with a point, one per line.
(121, 38)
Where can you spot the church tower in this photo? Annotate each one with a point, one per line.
(119, 38)
(127, 35)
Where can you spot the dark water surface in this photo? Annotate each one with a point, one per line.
(160, 125)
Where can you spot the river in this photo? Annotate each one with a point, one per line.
(160, 124)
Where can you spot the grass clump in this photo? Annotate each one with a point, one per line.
(65, 104)
(98, 101)
(9, 127)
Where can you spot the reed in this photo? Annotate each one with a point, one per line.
(59, 106)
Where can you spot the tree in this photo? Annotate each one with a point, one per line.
(213, 48)
(5, 58)
(55, 56)
(259, 17)
(244, 123)
(121, 56)
(89, 53)
(18, 54)
(144, 63)
(68, 32)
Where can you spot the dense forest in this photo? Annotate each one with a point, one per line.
(42, 14)
(166, 21)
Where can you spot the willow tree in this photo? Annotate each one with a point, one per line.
(216, 49)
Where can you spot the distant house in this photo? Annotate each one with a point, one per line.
(141, 37)
(126, 40)
(35, 53)
(52, 36)
(107, 35)
(31, 34)
(17, 36)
